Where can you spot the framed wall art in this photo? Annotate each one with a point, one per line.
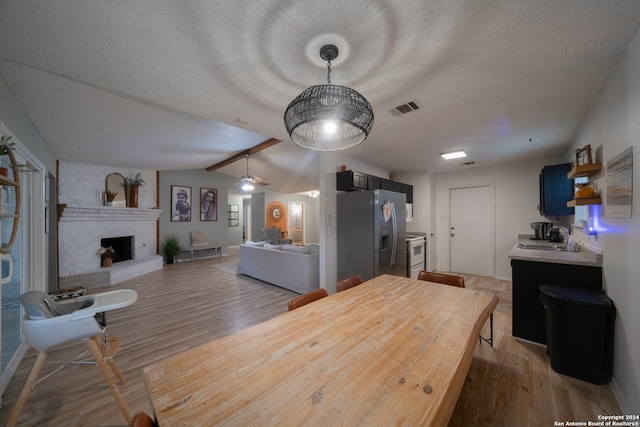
(208, 204)
(180, 203)
(233, 213)
(620, 185)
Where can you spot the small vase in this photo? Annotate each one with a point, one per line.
(107, 262)
(4, 172)
(132, 196)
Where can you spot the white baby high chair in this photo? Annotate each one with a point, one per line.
(50, 323)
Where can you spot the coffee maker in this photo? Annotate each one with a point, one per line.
(541, 230)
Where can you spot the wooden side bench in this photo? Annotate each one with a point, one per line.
(216, 247)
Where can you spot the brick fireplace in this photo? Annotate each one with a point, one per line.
(83, 224)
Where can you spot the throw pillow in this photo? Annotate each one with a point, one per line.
(296, 249)
(199, 238)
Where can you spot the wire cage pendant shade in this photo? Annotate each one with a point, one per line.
(328, 117)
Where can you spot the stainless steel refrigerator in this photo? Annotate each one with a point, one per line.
(371, 230)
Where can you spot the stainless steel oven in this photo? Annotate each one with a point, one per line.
(416, 255)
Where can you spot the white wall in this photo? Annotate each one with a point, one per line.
(516, 189)
(612, 126)
(217, 231)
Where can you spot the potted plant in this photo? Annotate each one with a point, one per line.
(110, 195)
(131, 189)
(105, 256)
(170, 247)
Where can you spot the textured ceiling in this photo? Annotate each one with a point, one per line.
(159, 84)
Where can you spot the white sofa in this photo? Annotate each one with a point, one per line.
(285, 266)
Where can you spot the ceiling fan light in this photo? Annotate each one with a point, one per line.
(453, 155)
(247, 180)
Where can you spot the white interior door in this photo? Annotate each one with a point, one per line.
(247, 217)
(432, 260)
(472, 230)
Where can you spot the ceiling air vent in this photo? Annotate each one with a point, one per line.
(405, 108)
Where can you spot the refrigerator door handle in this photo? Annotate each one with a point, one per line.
(394, 234)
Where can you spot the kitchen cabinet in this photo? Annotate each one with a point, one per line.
(351, 181)
(528, 320)
(556, 190)
(373, 182)
(358, 181)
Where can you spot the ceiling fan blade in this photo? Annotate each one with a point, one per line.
(256, 148)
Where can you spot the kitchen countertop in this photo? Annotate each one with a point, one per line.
(583, 257)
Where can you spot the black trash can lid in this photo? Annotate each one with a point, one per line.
(576, 296)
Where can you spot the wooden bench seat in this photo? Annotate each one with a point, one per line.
(216, 247)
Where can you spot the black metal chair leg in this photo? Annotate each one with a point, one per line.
(490, 339)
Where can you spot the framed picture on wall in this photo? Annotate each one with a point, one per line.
(233, 216)
(208, 204)
(180, 203)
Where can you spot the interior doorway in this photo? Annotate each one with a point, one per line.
(295, 223)
(247, 224)
(472, 230)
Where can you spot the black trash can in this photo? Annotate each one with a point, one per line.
(579, 329)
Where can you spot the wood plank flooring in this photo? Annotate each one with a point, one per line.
(188, 304)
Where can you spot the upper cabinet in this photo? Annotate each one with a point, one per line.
(358, 181)
(556, 190)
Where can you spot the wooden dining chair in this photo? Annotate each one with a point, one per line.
(453, 280)
(348, 283)
(446, 279)
(304, 299)
(142, 419)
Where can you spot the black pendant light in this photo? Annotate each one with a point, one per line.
(328, 117)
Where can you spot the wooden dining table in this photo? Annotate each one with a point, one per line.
(391, 351)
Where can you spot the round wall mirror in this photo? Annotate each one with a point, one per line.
(115, 184)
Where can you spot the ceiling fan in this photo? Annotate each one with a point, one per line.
(248, 182)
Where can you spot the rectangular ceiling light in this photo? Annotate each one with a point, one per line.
(454, 155)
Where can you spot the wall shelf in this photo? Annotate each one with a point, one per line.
(584, 170)
(15, 182)
(584, 201)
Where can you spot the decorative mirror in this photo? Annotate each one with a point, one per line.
(115, 184)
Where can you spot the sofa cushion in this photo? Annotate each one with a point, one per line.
(270, 246)
(199, 238)
(296, 249)
(251, 243)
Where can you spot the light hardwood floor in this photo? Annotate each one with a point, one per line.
(187, 304)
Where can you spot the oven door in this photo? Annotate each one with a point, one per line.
(415, 251)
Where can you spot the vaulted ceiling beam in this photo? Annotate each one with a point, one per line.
(256, 148)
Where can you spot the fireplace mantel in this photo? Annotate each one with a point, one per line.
(106, 213)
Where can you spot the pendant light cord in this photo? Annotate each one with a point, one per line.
(328, 72)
